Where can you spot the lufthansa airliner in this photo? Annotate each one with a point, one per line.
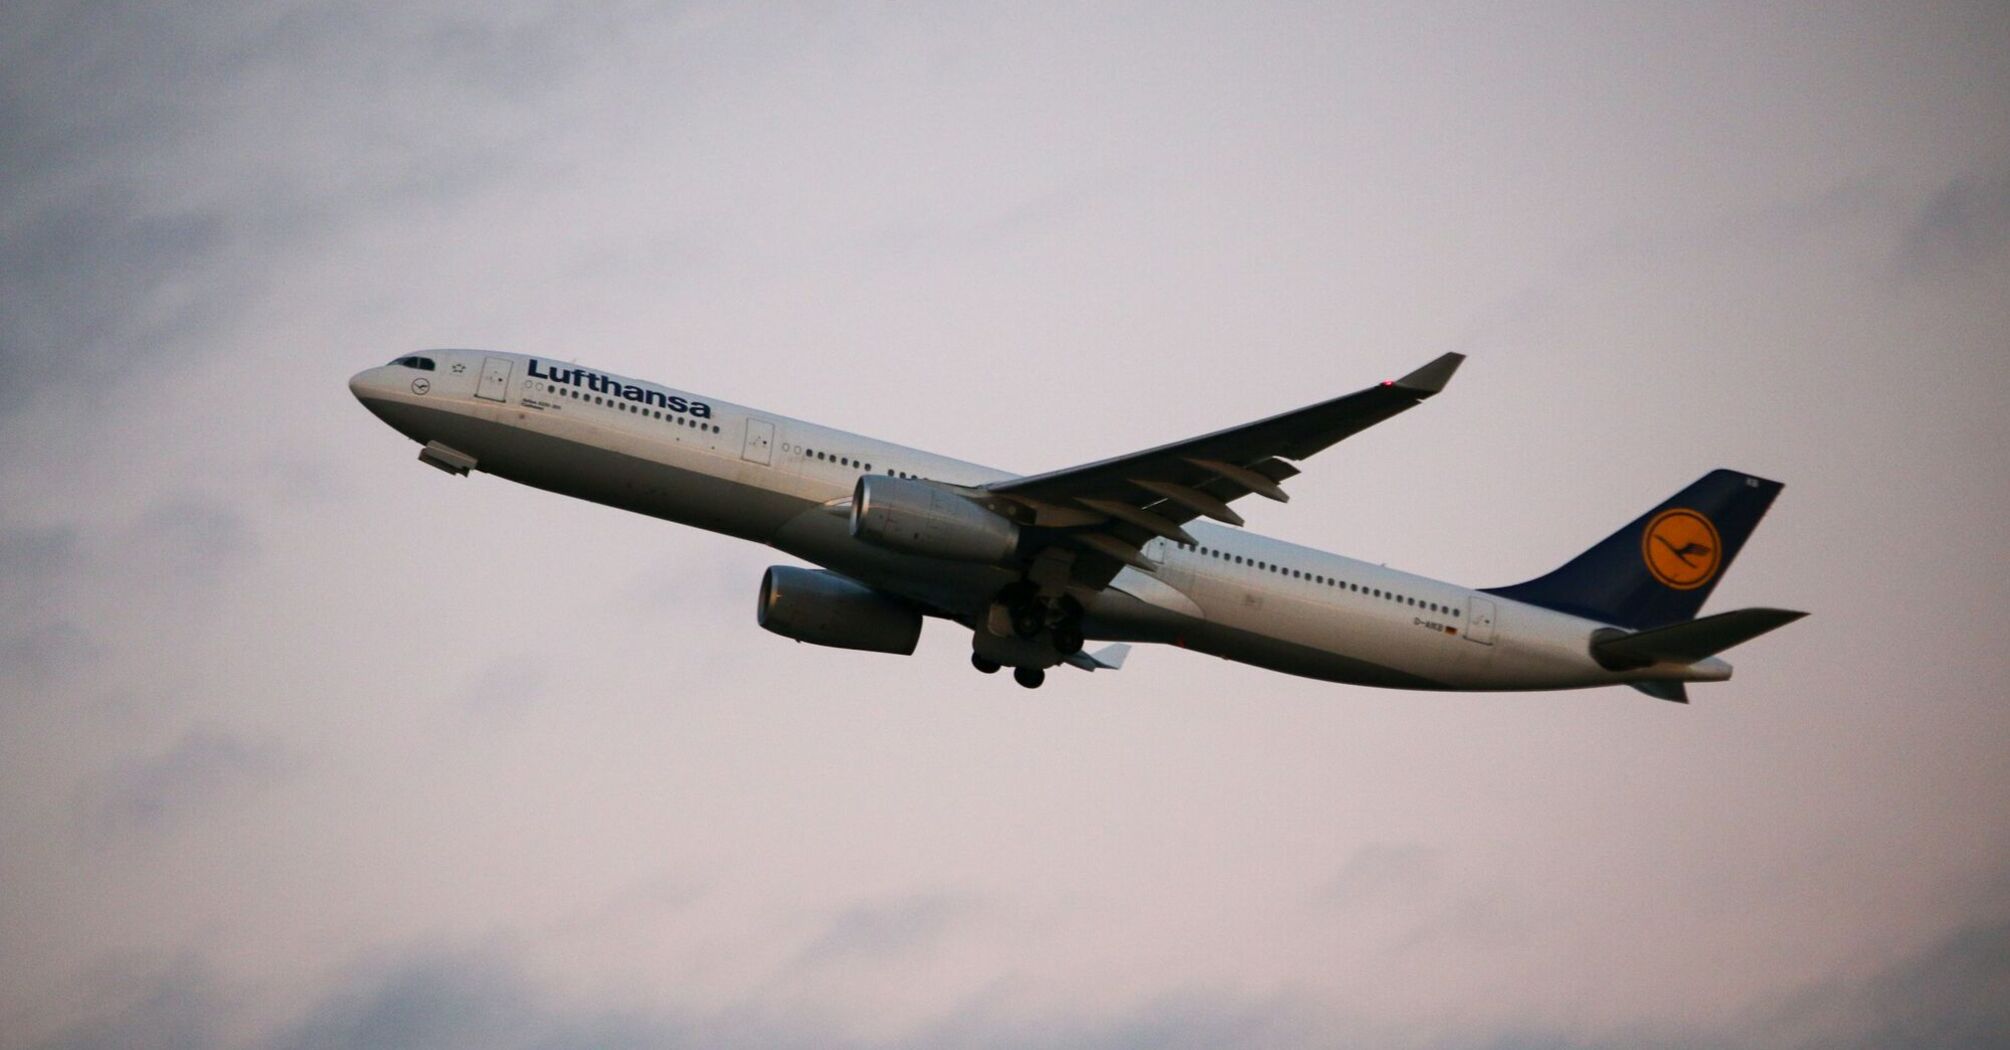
(1117, 551)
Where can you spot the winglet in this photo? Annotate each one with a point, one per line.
(1432, 377)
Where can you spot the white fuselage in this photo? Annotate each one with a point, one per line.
(760, 476)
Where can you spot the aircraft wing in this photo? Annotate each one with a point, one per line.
(1114, 507)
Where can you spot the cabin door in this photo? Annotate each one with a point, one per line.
(760, 447)
(494, 384)
(1480, 620)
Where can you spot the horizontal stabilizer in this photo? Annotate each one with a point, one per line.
(1108, 658)
(1670, 691)
(1686, 643)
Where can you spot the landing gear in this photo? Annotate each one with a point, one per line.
(984, 666)
(1030, 677)
(1030, 614)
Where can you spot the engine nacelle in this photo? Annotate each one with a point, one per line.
(915, 517)
(823, 608)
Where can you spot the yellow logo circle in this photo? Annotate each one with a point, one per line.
(1681, 548)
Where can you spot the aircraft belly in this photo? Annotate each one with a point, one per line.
(538, 453)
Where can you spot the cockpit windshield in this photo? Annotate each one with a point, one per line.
(423, 364)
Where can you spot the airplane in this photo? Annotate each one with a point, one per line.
(1034, 566)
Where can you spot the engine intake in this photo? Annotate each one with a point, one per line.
(915, 517)
(823, 608)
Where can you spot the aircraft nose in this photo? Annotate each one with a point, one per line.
(364, 383)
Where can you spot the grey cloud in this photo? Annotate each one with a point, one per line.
(98, 222)
(193, 536)
(504, 689)
(1963, 228)
(482, 997)
(208, 764)
(178, 1007)
(1195, 1019)
(1955, 994)
(1951, 996)
(882, 930)
(39, 654)
(1382, 872)
(81, 287)
(443, 1001)
(155, 152)
(483, 1000)
(32, 555)
(36, 643)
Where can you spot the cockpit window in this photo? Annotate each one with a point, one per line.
(423, 364)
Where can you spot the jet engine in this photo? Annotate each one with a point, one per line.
(915, 517)
(823, 608)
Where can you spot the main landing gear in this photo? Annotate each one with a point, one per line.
(1030, 677)
(1031, 614)
(1027, 632)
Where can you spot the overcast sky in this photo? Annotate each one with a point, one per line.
(303, 744)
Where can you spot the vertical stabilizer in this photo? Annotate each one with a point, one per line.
(1659, 569)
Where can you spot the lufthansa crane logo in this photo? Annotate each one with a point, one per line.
(1681, 548)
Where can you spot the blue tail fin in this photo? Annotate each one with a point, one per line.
(1658, 570)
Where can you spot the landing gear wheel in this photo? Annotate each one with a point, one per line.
(1030, 677)
(1028, 620)
(984, 666)
(1067, 640)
